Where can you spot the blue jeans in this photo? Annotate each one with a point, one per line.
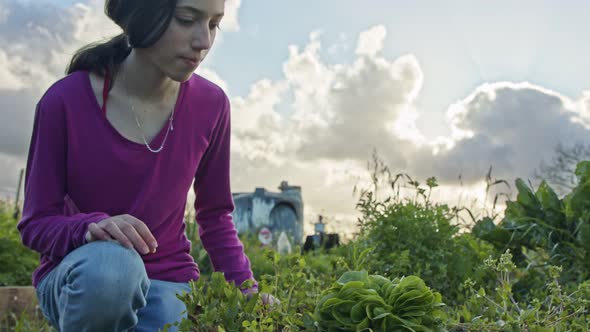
(103, 286)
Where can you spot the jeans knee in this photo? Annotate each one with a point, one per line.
(111, 273)
(114, 260)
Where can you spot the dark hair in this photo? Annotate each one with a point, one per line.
(143, 23)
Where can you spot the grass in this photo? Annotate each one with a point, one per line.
(24, 323)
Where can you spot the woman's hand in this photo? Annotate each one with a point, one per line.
(127, 230)
(266, 298)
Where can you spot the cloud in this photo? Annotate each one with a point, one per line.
(371, 41)
(37, 41)
(213, 77)
(4, 13)
(230, 19)
(510, 126)
(17, 122)
(10, 166)
(583, 107)
(258, 131)
(338, 113)
(342, 112)
(318, 124)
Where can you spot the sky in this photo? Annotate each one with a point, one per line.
(437, 88)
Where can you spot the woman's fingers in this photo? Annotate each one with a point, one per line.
(143, 232)
(114, 231)
(96, 233)
(133, 236)
(127, 230)
(270, 300)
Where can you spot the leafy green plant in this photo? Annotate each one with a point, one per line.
(216, 304)
(17, 262)
(540, 221)
(543, 287)
(410, 237)
(362, 302)
(498, 310)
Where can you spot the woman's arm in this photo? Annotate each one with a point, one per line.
(214, 205)
(44, 227)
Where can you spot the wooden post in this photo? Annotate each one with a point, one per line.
(16, 207)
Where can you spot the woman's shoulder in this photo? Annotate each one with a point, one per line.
(68, 87)
(205, 90)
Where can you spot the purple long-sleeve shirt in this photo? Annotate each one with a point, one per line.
(81, 170)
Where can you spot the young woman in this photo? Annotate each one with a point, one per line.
(116, 145)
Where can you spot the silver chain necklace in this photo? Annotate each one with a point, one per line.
(170, 125)
(170, 128)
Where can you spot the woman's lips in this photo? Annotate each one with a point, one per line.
(190, 62)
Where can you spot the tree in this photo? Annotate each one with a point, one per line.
(560, 171)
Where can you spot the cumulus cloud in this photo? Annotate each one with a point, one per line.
(317, 125)
(10, 165)
(230, 19)
(329, 104)
(583, 113)
(258, 134)
(4, 12)
(339, 113)
(510, 126)
(37, 41)
(371, 41)
(213, 77)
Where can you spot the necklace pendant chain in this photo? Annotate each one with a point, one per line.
(170, 126)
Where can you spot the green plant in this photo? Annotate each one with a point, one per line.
(24, 323)
(553, 310)
(215, 304)
(410, 237)
(17, 262)
(362, 302)
(540, 221)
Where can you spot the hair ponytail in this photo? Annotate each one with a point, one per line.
(101, 56)
(143, 22)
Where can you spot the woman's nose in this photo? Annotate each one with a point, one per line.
(202, 37)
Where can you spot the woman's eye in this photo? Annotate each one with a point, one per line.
(188, 21)
(184, 21)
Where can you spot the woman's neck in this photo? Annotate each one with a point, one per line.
(141, 80)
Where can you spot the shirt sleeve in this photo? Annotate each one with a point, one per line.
(44, 226)
(214, 205)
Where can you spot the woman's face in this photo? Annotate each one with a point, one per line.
(188, 39)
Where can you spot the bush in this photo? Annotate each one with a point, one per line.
(17, 262)
(542, 230)
(412, 238)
